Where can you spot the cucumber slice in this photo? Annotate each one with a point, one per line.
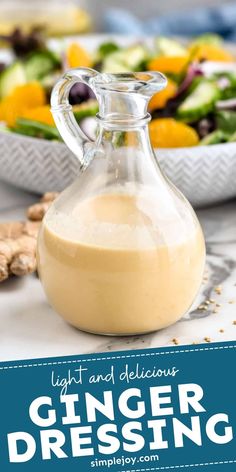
(11, 77)
(169, 47)
(200, 102)
(49, 81)
(134, 56)
(89, 108)
(208, 38)
(216, 137)
(39, 64)
(114, 63)
(226, 121)
(125, 60)
(232, 138)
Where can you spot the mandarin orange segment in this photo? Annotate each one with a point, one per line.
(22, 98)
(169, 133)
(77, 56)
(8, 112)
(29, 95)
(42, 114)
(210, 52)
(169, 64)
(160, 99)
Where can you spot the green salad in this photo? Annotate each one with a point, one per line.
(198, 106)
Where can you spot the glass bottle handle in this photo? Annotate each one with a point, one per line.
(70, 131)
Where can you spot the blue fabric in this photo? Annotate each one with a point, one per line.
(221, 20)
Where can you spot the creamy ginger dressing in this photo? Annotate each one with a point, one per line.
(107, 268)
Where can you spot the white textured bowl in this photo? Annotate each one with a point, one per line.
(205, 174)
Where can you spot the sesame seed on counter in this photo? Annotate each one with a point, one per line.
(216, 310)
(202, 308)
(218, 290)
(209, 305)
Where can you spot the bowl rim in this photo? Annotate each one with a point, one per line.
(174, 150)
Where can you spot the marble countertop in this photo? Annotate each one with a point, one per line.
(30, 328)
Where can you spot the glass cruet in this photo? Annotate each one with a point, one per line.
(120, 251)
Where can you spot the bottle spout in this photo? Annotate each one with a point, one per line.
(120, 97)
(126, 95)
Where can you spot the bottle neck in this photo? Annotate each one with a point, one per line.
(118, 106)
(130, 133)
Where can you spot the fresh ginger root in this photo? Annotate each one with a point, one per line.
(17, 248)
(18, 240)
(37, 211)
